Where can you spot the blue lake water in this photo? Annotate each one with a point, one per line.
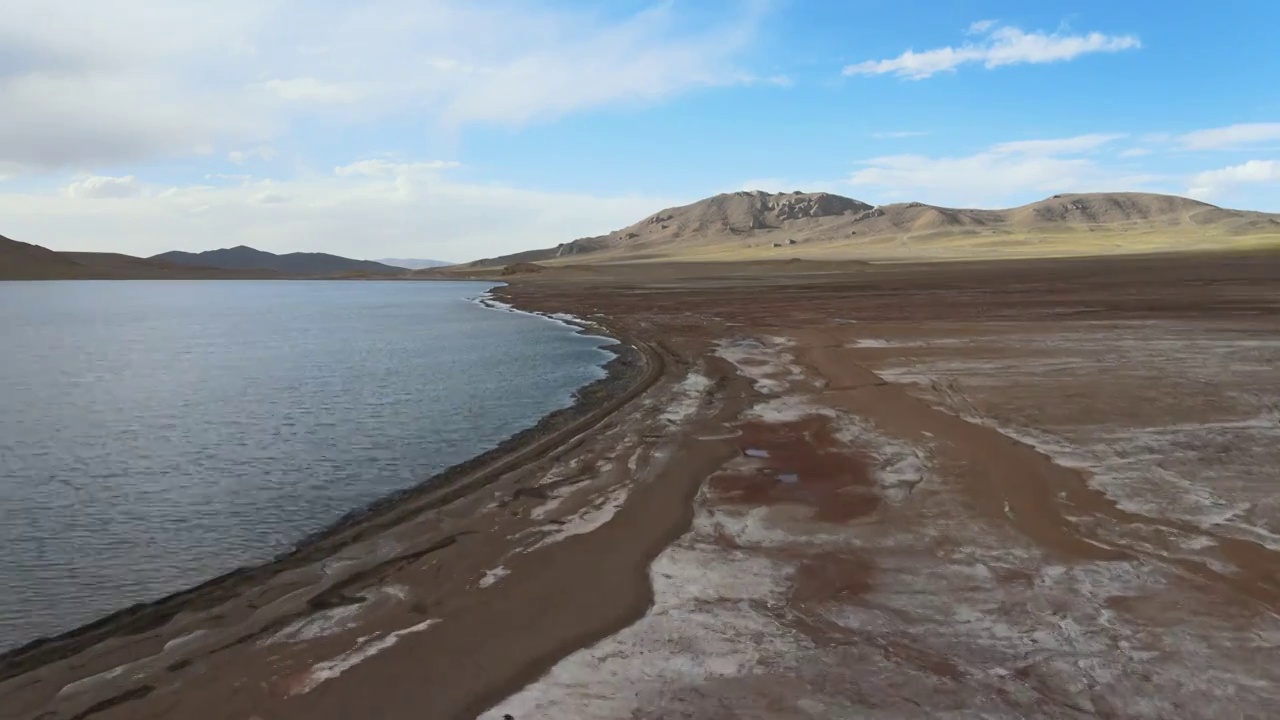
(156, 434)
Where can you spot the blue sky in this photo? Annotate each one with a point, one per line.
(459, 129)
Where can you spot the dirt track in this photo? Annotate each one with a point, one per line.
(1036, 489)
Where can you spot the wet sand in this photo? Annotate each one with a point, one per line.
(1002, 490)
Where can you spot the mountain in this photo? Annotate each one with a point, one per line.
(247, 258)
(413, 263)
(23, 261)
(118, 265)
(759, 225)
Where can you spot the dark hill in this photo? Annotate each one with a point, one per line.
(247, 258)
(117, 265)
(23, 261)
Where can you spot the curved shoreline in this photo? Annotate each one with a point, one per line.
(633, 369)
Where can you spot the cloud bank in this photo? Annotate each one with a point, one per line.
(89, 83)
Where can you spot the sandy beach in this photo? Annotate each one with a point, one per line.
(807, 490)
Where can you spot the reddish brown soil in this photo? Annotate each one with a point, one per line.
(802, 463)
(831, 578)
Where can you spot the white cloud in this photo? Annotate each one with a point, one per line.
(309, 89)
(413, 209)
(1003, 45)
(573, 63)
(262, 152)
(1231, 137)
(1059, 146)
(1252, 171)
(84, 84)
(1013, 172)
(270, 197)
(52, 121)
(1003, 175)
(1213, 182)
(984, 179)
(379, 167)
(980, 27)
(897, 134)
(104, 187)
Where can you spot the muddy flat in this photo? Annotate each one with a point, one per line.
(1032, 489)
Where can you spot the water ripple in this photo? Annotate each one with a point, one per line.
(155, 434)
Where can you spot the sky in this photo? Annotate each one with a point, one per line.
(459, 129)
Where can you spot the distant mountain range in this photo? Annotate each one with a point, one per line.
(24, 261)
(761, 226)
(754, 226)
(243, 257)
(413, 263)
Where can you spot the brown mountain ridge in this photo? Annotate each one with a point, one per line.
(24, 261)
(19, 260)
(299, 264)
(754, 224)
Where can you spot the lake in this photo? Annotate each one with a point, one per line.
(156, 434)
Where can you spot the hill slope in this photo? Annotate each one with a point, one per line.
(247, 258)
(118, 265)
(758, 225)
(23, 261)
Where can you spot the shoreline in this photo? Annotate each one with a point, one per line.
(625, 376)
